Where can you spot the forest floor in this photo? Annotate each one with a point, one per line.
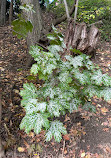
(89, 134)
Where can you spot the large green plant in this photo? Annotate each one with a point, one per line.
(67, 84)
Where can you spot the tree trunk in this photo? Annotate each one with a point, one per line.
(36, 20)
(2, 12)
(11, 12)
(38, 27)
(80, 37)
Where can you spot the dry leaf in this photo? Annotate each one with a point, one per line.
(106, 129)
(67, 118)
(105, 123)
(104, 110)
(65, 151)
(66, 137)
(109, 102)
(36, 156)
(74, 132)
(21, 149)
(31, 134)
(107, 69)
(98, 105)
(109, 124)
(88, 156)
(108, 149)
(26, 144)
(83, 154)
(102, 58)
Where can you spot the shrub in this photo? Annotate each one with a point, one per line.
(67, 85)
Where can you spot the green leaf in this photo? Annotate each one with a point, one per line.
(77, 61)
(34, 69)
(106, 93)
(56, 128)
(21, 27)
(54, 108)
(33, 106)
(74, 104)
(34, 122)
(91, 91)
(64, 77)
(29, 92)
(97, 77)
(51, 37)
(89, 107)
(83, 77)
(106, 80)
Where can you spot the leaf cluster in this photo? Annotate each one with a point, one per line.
(67, 85)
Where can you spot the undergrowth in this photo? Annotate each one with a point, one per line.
(67, 85)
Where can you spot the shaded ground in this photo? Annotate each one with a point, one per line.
(89, 134)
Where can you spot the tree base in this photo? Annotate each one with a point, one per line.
(81, 37)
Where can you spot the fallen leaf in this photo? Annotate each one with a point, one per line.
(106, 129)
(102, 58)
(21, 149)
(65, 151)
(109, 124)
(66, 137)
(107, 69)
(88, 156)
(67, 118)
(31, 134)
(53, 143)
(104, 110)
(79, 124)
(36, 156)
(16, 91)
(26, 144)
(98, 105)
(108, 149)
(83, 154)
(74, 132)
(109, 102)
(104, 123)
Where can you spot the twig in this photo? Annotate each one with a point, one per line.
(67, 11)
(42, 46)
(63, 149)
(76, 8)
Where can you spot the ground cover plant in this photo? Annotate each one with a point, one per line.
(69, 82)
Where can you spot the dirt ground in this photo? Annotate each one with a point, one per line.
(89, 134)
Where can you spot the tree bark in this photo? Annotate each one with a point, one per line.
(36, 20)
(2, 12)
(38, 26)
(82, 38)
(11, 12)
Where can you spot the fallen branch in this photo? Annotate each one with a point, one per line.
(63, 18)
